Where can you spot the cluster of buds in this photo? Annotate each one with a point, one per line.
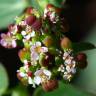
(46, 50)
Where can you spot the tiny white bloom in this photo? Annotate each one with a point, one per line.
(68, 69)
(37, 44)
(68, 61)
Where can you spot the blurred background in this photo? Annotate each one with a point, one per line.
(81, 16)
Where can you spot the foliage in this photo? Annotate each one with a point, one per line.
(4, 82)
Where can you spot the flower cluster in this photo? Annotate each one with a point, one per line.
(69, 67)
(47, 53)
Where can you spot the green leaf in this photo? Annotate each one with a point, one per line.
(3, 79)
(63, 90)
(20, 90)
(77, 47)
(9, 9)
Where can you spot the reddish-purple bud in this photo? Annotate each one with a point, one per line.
(18, 76)
(10, 27)
(82, 64)
(45, 59)
(29, 10)
(30, 20)
(30, 74)
(81, 57)
(50, 6)
(50, 85)
(37, 24)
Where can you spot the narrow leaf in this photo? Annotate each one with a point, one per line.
(82, 46)
(3, 79)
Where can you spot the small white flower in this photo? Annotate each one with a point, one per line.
(8, 41)
(27, 37)
(42, 75)
(67, 76)
(61, 68)
(68, 61)
(68, 69)
(36, 49)
(23, 33)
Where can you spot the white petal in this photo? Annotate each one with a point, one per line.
(14, 43)
(68, 69)
(44, 49)
(38, 44)
(23, 33)
(32, 34)
(46, 72)
(38, 72)
(22, 74)
(34, 56)
(28, 37)
(68, 61)
(37, 80)
(30, 81)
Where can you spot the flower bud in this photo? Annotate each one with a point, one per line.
(50, 85)
(45, 59)
(66, 43)
(24, 81)
(30, 74)
(18, 76)
(37, 24)
(24, 54)
(81, 57)
(30, 20)
(48, 41)
(82, 64)
(50, 6)
(10, 27)
(29, 10)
